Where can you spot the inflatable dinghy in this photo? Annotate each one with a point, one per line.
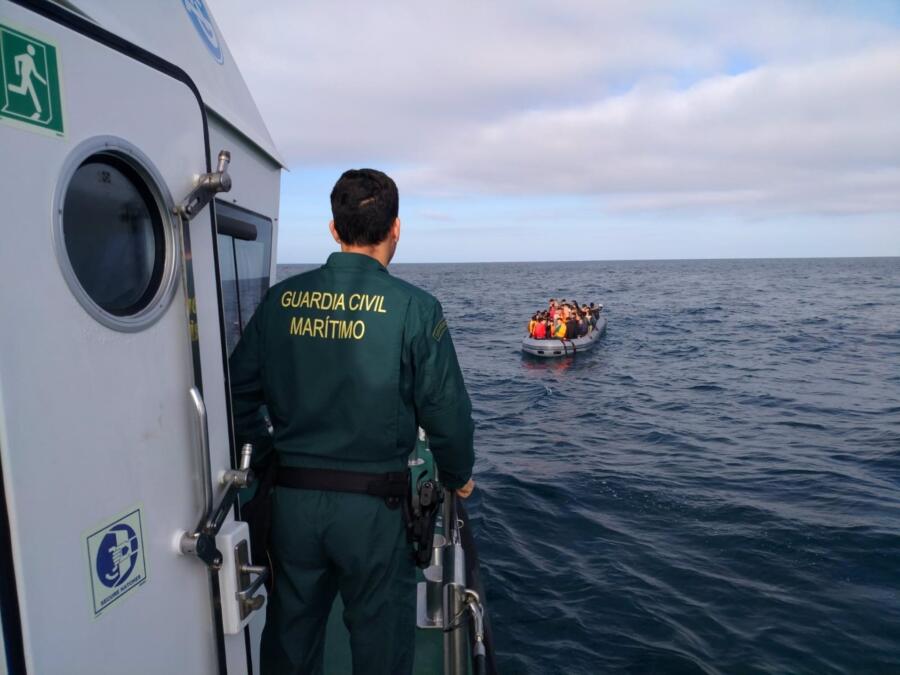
(555, 347)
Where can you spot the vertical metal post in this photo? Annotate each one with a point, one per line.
(455, 615)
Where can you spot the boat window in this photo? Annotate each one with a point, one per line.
(114, 241)
(245, 255)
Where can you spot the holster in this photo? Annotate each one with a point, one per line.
(420, 514)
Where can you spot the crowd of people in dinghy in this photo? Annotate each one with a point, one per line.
(564, 321)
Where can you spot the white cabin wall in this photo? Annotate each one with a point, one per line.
(255, 186)
(166, 29)
(4, 667)
(255, 178)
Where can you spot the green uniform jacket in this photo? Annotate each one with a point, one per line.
(349, 361)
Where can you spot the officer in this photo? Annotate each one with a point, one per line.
(349, 361)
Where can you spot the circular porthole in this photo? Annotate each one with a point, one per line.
(114, 237)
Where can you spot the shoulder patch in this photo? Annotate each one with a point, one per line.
(439, 330)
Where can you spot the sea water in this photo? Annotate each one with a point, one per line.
(715, 488)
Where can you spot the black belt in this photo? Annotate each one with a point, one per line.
(392, 487)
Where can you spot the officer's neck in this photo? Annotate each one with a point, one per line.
(382, 252)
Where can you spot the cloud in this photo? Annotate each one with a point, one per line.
(631, 103)
(822, 137)
(435, 217)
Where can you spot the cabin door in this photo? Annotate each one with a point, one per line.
(99, 347)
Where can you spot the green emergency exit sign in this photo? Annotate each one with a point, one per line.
(29, 81)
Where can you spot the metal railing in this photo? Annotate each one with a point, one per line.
(455, 617)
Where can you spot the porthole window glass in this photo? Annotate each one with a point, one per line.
(114, 235)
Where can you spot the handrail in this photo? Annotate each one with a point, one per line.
(205, 471)
(454, 593)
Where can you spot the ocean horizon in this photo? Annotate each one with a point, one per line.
(523, 262)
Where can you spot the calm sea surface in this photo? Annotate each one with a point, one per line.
(714, 489)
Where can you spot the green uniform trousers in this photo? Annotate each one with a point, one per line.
(329, 542)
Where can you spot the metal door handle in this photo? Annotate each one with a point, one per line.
(201, 541)
(206, 187)
(203, 433)
(243, 475)
(247, 598)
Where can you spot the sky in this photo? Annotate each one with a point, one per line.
(519, 130)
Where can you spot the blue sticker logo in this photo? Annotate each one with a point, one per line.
(202, 21)
(117, 555)
(117, 560)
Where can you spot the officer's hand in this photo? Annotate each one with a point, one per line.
(466, 489)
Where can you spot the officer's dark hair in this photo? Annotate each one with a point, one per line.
(364, 205)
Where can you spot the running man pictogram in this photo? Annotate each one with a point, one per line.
(26, 69)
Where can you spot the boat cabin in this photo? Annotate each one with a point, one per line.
(128, 274)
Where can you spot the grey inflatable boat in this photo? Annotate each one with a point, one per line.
(555, 347)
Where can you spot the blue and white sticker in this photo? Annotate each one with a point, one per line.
(202, 21)
(116, 559)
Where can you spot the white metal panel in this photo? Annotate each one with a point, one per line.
(3, 667)
(256, 181)
(256, 186)
(164, 27)
(95, 421)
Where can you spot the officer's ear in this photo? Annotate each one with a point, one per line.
(395, 230)
(334, 232)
